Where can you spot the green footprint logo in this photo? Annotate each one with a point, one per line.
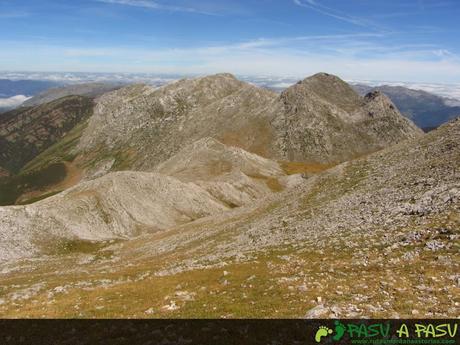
(339, 330)
(322, 331)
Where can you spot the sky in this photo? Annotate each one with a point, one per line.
(391, 40)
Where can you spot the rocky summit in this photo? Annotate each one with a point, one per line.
(321, 119)
(211, 197)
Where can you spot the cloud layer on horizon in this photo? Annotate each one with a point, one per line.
(295, 38)
(13, 102)
(353, 56)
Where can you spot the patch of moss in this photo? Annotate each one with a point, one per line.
(76, 246)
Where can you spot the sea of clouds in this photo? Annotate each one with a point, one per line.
(451, 91)
(12, 102)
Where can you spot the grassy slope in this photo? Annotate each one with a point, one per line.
(127, 279)
(44, 171)
(280, 282)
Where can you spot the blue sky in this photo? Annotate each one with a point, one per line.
(407, 40)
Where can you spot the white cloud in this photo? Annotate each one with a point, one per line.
(451, 91)
(351, 56)
(330, 12)
(153, 5)
(13, 102)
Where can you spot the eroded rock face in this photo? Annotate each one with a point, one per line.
(26, 132)
(320, 119)
(427, 110)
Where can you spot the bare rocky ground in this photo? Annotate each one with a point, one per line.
(377, 236)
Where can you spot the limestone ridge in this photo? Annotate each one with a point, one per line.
(393, 211)
(118, 205)
(320, 119)
(205, 178)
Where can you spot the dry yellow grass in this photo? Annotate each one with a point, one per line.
(292, 168)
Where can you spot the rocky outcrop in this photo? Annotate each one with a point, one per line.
(320, 119)
(26, 132)
(372, 237)
(427, 110)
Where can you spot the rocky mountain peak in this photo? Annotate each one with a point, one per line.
(312, 121)
(374, 94)
(221, 76)
(379, 103)
(168, 185)
(331, 89)
(324, 77)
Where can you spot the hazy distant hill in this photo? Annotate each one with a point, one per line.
(9, 88)
(427, 110)
(14, 92)
(87, 89)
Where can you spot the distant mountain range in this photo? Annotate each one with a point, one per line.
(139, 126)
(427, 110)
(10, 88)
(26, 93)
(91, 90)
(14, 92)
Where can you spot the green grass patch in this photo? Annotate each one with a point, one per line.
(76, 246)
(63, 150)
(11, 188)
